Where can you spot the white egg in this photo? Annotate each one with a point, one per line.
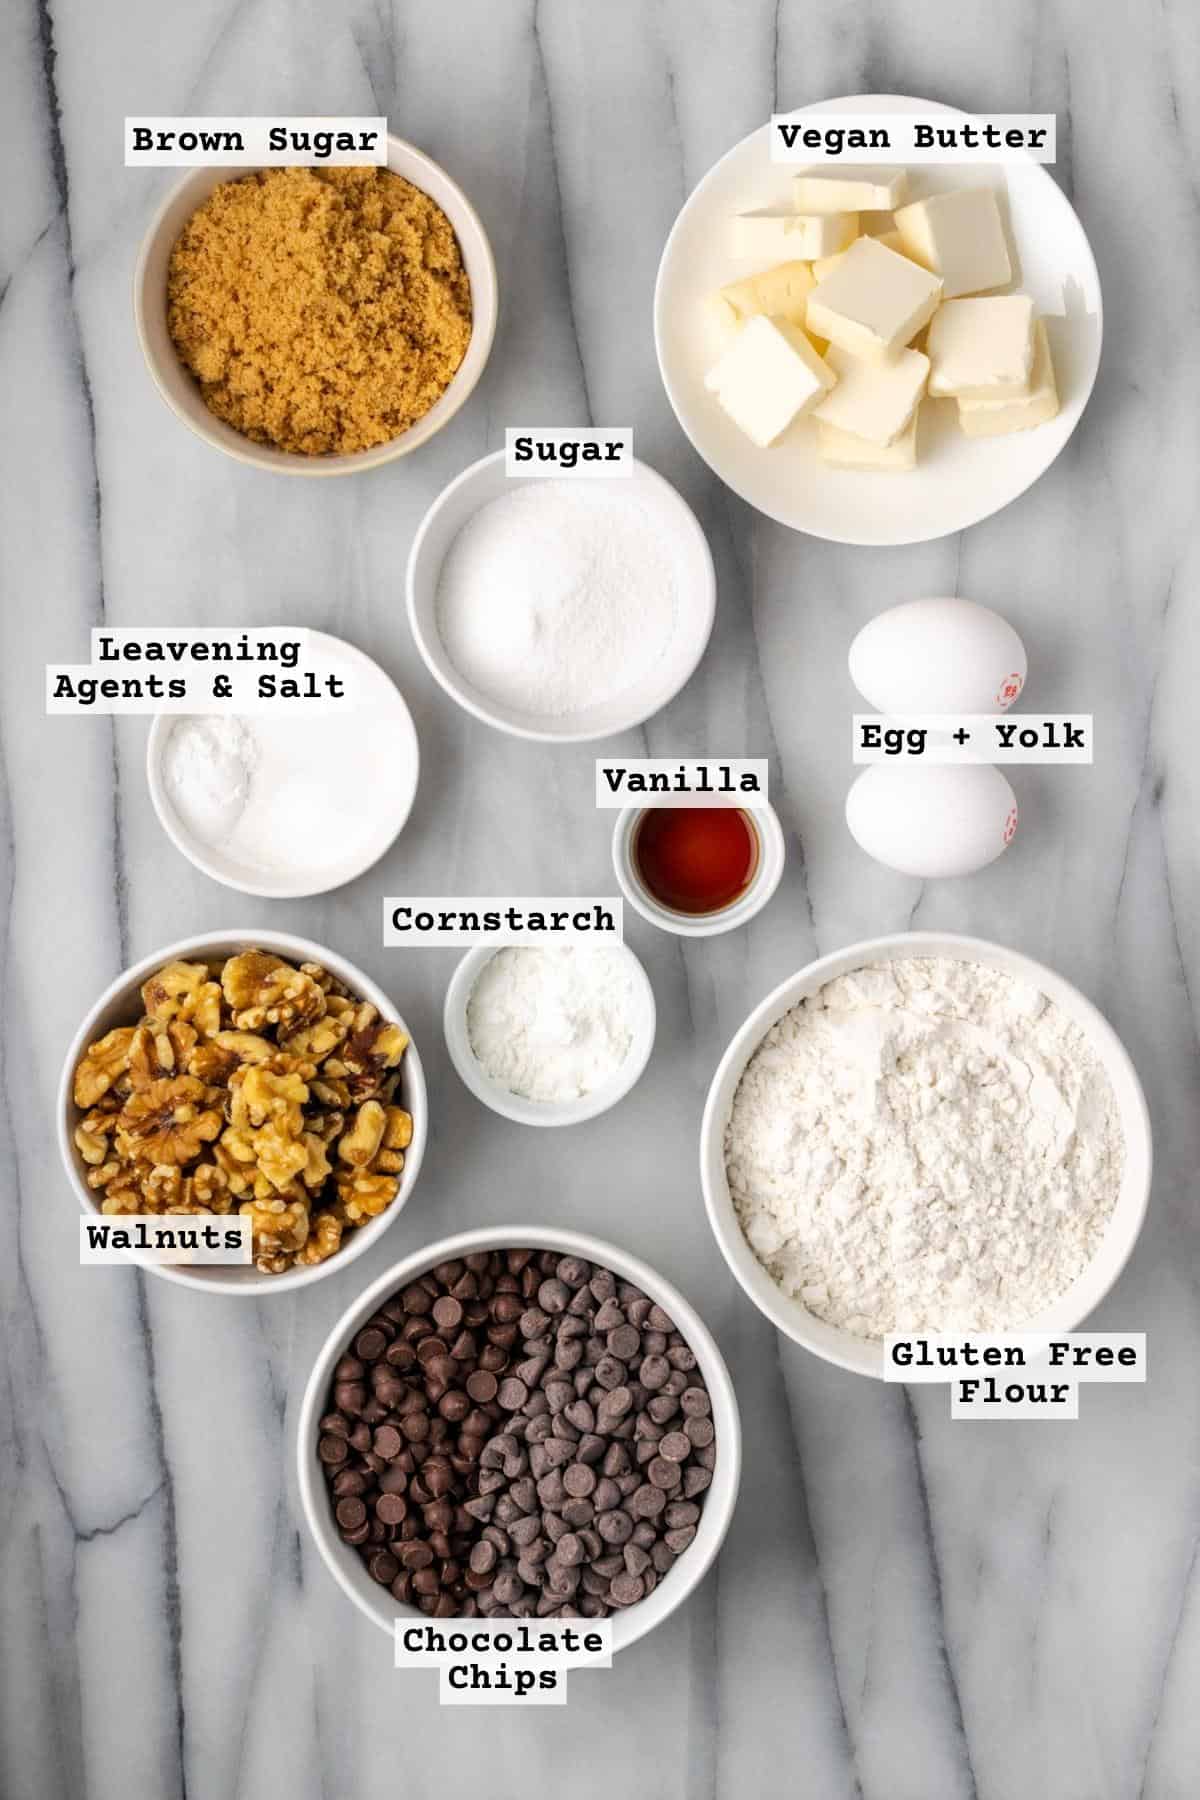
(943, 820)
(938, 656)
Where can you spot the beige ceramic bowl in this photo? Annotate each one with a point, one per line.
(120, 1004)
(179, 389)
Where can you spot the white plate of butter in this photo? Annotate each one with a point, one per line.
(880, 376)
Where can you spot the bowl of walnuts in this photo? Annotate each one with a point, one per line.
(251, 1073)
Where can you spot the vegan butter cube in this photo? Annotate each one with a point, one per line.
(849, 190)
(996, 418)
(874, 399)
(843, 450)
(825, 265)
(891, 240)
(960, 237)
(767, 377)
(782, 291)
(874, 302)
(981, 349)
(773, 234)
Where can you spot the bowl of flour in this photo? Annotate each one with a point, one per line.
(564, 609)
(924, 1133)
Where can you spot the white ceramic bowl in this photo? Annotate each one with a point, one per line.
(772, 855)
(678, 530)
(634, 1621)
(542, 1112)
(392, 790)
(179, 388)
(958, 480)
(120, 1004)
(864, 1356)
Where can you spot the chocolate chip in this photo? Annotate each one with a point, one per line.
(636, 1559)
(518, 1432)
(579, 1480)
(624, 1343)
(615, 1527)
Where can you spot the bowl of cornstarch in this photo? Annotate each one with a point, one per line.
(287, 803)
(561, 609)
(550, 1036)
(924, 1134)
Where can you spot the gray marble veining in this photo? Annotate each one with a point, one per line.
(906, 1609)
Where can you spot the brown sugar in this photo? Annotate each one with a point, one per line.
(322, 311)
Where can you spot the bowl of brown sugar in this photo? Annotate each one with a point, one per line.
(317, 321)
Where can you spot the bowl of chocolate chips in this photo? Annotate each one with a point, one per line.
(520, 1423)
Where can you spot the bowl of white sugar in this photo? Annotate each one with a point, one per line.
(924, 1134)
(563, 609)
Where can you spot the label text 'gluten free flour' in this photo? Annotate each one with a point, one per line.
(1015, 1374)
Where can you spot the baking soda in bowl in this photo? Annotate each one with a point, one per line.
(292, 801)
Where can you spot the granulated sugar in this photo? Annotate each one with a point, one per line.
(557, 597)
(924, 1145)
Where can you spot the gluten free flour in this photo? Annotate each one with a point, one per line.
(924, 1145)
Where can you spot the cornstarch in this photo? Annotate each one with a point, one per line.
(554, 1024)
(556, 597)
(924, 1145)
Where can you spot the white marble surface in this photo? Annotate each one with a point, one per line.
(906, 1609)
